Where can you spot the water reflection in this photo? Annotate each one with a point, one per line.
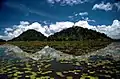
(51, 63)
(112, 49)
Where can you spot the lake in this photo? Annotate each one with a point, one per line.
(49, 63)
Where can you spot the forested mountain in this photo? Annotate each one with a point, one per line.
(1, 40)
(30, 35)
(70, 34)
(77, 34)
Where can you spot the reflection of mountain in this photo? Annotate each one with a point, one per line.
(48, 53)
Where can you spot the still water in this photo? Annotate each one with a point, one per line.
(49, 63)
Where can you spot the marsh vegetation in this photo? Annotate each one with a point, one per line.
(48, 63)
(69, 47)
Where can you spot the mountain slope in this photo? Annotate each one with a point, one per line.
(77, 34)
(1, 40)
(30, 35)
(70, 34)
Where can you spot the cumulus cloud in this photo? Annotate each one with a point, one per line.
(112, 30)
(88, 20)
(102, 6)
(83, 13)
(16, 30)
(60, 26)
(67, 2)
(117, 5)
(71, 17)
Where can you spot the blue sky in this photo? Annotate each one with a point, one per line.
(48, 12)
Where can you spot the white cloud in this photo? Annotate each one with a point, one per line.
(60, 26)
(67, 2)
(8, 29)
(108, 6)
(83, 13)
(117, 5)
(51, 1)
(16, 30)
(71, 17)
(112, 30)
(102, 6)
(88, 20)
(24, 23)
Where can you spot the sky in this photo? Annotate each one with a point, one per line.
(51, 16)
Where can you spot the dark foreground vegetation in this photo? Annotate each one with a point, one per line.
(2, 41)
(95, 67)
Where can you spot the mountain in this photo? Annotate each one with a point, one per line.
(70, 34)
(30, 35)
(117, 40)
(77, 34)
(1, 40)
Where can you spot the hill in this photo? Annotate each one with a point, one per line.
(70, 34)
(1, 40)
(30, 35)
(78, 34)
